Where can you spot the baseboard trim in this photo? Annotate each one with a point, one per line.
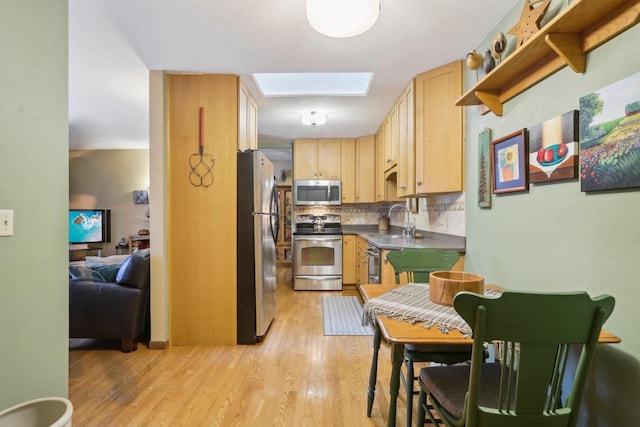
(158, 345)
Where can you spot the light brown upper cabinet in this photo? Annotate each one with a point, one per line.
(358, 166)
(391, 138)
(405, 107)
(247, 120)
(317, 158)
(439, 130)
(348, 170)
(365, 168)
(379, 166)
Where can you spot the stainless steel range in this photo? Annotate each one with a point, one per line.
(317, 252)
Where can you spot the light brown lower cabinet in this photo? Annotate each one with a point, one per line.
(349, 252)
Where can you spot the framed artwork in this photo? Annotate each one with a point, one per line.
(553, 149)
(484, 169)
(509, 168)
(141, 197)
(413, 205)
(610, 137)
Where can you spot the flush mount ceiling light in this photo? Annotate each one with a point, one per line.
(313, 118)
(342, 18)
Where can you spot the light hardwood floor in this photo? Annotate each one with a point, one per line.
(295, 377)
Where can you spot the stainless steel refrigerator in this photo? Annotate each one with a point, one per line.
(257, 233)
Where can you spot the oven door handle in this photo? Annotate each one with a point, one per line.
(318, 277)
(317, 239)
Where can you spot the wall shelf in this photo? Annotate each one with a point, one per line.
(565, 40)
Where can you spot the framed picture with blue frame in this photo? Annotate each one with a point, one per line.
(509, 163)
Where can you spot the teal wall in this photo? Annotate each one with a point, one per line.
(556, 238)
(34, 152)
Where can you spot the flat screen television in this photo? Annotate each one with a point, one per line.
(89, 226)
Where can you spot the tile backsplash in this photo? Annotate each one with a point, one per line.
(437, 213)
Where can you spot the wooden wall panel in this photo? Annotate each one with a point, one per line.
(201, 229)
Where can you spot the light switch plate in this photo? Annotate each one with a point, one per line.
(6, 223)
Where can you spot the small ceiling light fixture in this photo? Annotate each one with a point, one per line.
(342, 18)
(313, 118)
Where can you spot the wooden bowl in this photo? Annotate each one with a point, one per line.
(444, 285)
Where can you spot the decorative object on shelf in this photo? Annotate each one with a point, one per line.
(498, 46)
(530, 18)
(283, 175)
(340, 18)
(553, 149)
(141, 197)
(488, 63)
(484, 169)
(610, 137)
(201, 163)
(569, 35)
(474, 61)
(143, 232)
(508, 163)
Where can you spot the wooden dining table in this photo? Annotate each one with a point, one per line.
(399, 333)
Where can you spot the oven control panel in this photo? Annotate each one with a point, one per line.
(321, 224)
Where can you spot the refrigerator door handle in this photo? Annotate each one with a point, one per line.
(274, 208)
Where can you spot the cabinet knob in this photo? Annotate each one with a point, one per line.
(419, 183)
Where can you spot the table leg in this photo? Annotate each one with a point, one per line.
(394, 384)
(373, 374)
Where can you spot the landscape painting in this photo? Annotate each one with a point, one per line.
(610, 137)
(553, 149)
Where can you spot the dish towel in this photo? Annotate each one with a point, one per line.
(411, 303)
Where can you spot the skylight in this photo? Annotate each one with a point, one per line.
(313, 84)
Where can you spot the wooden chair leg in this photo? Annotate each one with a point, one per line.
(409, 389)
(129, 345)
(422, 403)
(373, 374)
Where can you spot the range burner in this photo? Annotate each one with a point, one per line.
(318, 224)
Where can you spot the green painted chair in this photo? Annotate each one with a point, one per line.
(533, 384)
(417, 264)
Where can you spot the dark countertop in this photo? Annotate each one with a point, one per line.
(393, 238)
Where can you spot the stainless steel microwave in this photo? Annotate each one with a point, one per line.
(317, 192)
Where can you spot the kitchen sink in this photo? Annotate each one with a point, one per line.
(388, 236)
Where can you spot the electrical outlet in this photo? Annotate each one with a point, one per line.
(6, 223)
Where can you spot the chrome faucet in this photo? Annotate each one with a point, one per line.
(409, 229)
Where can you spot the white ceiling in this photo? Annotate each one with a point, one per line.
(114, 43)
